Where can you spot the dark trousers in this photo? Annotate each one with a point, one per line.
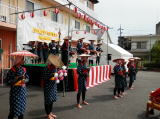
(12, 116)
(64, 57)
(132, 78)
(79, 95)
(97, 60)
(48, 108)
(116, 90)
(91, 62)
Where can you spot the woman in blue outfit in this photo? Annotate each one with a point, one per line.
(50, 89)
(118, 71)
(82, 80)
(17, 78)
(132, 74)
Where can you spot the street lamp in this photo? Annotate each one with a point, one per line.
(150, 48)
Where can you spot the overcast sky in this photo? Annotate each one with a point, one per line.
(137, 17)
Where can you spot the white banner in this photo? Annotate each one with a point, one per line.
(38, 29)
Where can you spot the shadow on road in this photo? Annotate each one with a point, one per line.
(100, 98)
(41, 112)
(142, 116)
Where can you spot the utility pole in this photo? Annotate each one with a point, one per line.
(120, 31)
(150, 48)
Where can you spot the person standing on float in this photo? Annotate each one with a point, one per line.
(92, 52)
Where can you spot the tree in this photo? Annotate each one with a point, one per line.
(155, 52)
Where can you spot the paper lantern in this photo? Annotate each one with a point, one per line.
(44, 13)
(22, 16)
(106, 28)
(75, 9)
(78, 15)
(32, 14)
(98, 25)
(84, 17)
(56, 10)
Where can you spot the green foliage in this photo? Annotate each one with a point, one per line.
(155, 52)
(152, 65)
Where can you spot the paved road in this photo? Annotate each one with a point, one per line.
(102, 105)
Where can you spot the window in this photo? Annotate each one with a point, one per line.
(60, 18)
(88, 28)
(77, 24)
(29, 5)
(54, 17)
(39, 12)
(141, 45)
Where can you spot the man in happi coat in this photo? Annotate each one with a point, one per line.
(99, 51)
(83, 72)
(17, 79)
(45, 52)
(52, 47)
(64, 50)
(92, 52)
(50, 87)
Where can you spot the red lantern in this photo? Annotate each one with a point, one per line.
(56, 10)
(82, 16)
(44, 13)
(78, 15)
(85, 32)
(106, 28)
(98, 25)
(87, 19)
(75, 9)
(32, 14)
(22, 16)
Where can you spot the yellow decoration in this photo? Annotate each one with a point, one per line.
(44, 32)
(52, 78)
(19, 83)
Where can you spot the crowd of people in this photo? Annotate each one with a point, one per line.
(66, 49)
(17, 78)
(121, 75)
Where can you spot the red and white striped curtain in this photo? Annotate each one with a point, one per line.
(97, 75)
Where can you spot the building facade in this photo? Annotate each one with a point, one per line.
(8, 20)
(158, 28)
(139, 46)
